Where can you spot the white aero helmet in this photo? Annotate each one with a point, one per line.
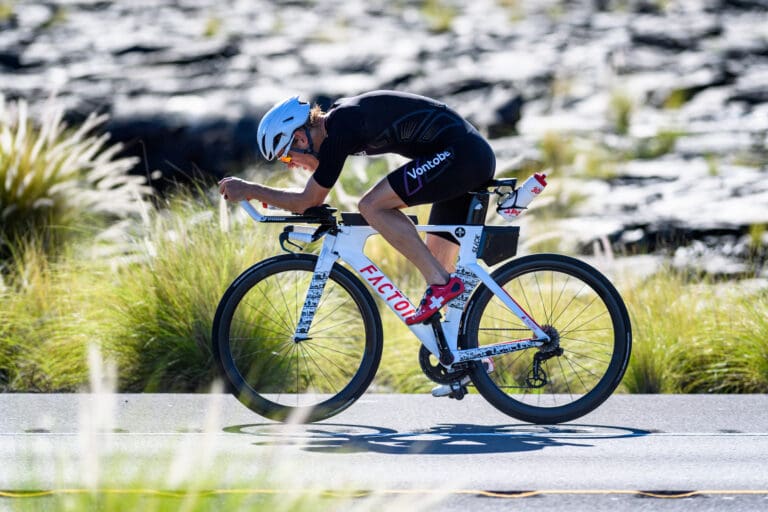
(275, 133)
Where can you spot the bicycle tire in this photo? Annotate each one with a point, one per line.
(565, 296)
(284, 380)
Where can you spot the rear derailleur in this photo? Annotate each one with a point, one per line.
(537, 378)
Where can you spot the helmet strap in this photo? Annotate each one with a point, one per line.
(311, 150)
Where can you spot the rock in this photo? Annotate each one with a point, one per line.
(752, 87)
(186, 82)
(683, 33)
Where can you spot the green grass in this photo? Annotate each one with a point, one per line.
(142, 282)
(661, 315)
(148, 499)
(696, 336)
(153, 316)
(58, 183)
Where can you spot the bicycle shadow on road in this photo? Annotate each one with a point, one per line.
(443, 439)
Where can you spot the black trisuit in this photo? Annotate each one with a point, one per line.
(448, 155)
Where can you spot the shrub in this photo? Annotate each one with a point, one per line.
(55, 181)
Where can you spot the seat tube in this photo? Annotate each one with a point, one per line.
(323, 267)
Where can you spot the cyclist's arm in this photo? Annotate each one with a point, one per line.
(312, 195)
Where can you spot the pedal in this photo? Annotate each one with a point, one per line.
(456, 389)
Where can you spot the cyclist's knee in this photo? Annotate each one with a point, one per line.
(379, 199)
(367, 206)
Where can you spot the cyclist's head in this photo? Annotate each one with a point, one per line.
(275, 133)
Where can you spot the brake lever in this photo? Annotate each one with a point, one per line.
(285, 240)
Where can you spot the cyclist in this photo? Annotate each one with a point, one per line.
(448, 156)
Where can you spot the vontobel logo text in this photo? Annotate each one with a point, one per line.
(429, 164)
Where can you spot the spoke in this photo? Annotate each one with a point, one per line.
(525, 296)
(577, 315)
(603, 344)
(565, 308)
(293, 320)
(588, 357)
(329, 292)
(268, 350)
(551, 392)
(336, 325)
(567, 382)
(541, 296)
(283, 334)
(261, 316)
(585, 322)
(320, 368)
(260, 338)
(596, 329)
(325, 347)
(573, 361)
(496, 335)
(272, 305)
(504, 329)
(506, 367)
(562, 291)
(298, 378)
(318, 349)
(551, 294)
(583, 385)
(344, 374)
(509, 319)
(331, 311)
(288, 364)
(273, 351)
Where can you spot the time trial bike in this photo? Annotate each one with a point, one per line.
(299, 335)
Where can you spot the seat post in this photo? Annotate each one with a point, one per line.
(478, 207)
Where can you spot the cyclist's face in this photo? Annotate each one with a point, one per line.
(298, 159)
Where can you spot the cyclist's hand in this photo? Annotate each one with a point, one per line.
(234, 189)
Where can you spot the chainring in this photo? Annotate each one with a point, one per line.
(437, 372)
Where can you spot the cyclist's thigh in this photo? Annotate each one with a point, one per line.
(446, 174)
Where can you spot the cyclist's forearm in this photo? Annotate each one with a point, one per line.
(276, 197)
(292, 201)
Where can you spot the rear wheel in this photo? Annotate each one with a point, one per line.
(282, 378)
(590, 333)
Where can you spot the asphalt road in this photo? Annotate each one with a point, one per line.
(410, 452)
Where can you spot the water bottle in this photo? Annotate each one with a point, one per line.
(515, 203)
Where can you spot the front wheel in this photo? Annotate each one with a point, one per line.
(590, 333)
(283, 378)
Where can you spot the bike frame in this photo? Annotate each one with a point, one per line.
(348, 245)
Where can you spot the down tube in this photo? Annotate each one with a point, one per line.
(393, 297)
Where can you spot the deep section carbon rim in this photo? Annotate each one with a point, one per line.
(586, 319)
(277, 375)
